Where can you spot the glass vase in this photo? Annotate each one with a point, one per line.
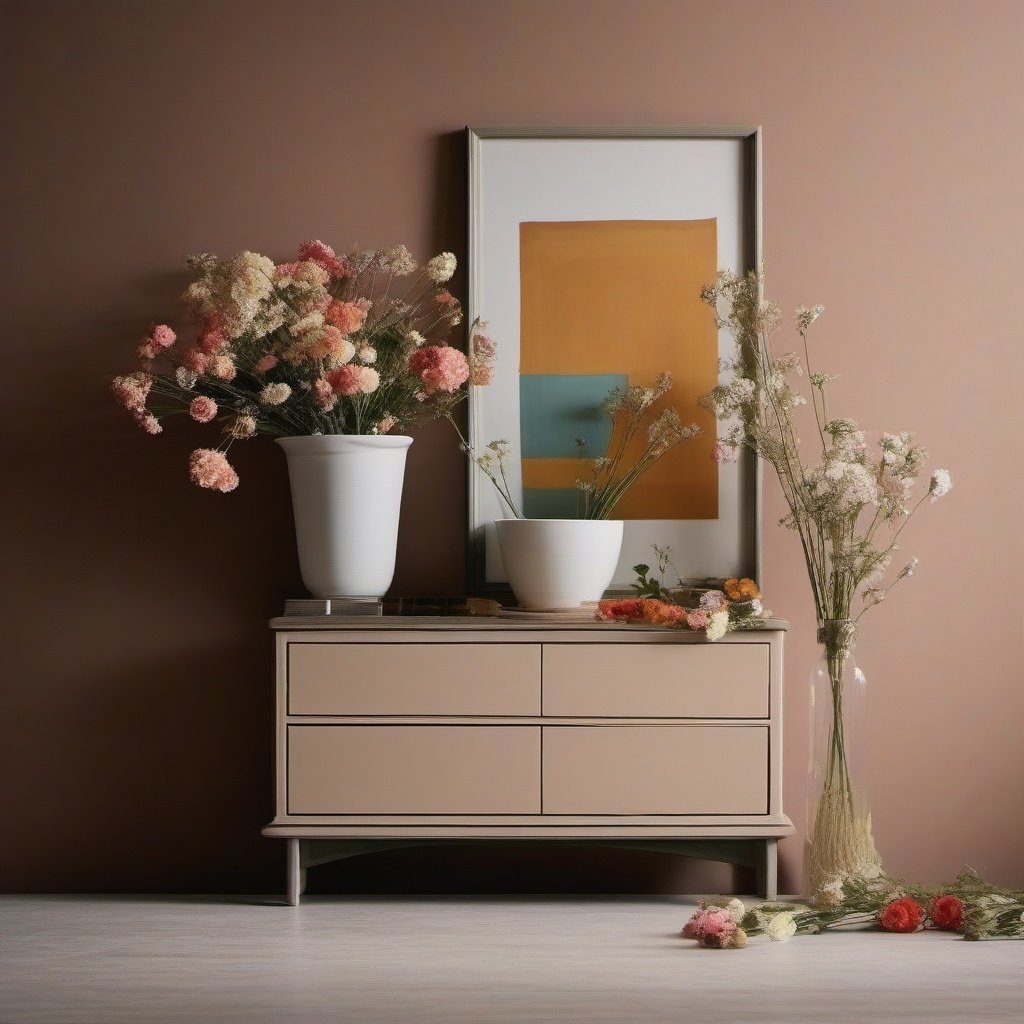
(839, 838)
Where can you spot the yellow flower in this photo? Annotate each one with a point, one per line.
(741, 590)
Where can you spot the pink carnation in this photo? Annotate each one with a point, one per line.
(710, 922)
(196, 360)
(266, 364)
(212, 339)
(699, 619)
(345, 379)
(162, 337)
(322, 253)
(445, 298)
(347, 316)
(714, 601)
(440, 367)
(386, 424)
(723, 452)
(202, 409)
(210, 468)
(149, 423)
(351, 380)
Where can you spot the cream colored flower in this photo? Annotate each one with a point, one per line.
(736, 908)
(718, 626)
(241, 427)
(185, 377)
(441, 268)
(780, 927)
(940, 485)
(416, 338)
(275, 394)
(307, 324)
(398, 261)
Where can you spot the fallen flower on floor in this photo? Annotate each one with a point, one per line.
(969, 905)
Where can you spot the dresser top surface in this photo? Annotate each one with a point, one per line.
(492, 624)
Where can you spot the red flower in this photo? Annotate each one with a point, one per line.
(903, 915)
(948, 913)
(623, 609)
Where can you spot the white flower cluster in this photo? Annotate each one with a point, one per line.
(275, 394)
(441, 268)
(941, 484)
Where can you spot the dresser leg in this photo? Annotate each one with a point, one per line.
(294, 872)
(769, 872)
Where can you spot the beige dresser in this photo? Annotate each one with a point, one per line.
(413, 730)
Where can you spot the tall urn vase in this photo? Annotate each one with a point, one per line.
(346, 498)
(840, 842)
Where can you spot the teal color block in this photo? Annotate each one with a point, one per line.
(555, 409)
(550, 502)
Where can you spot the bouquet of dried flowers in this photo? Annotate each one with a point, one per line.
(639, 439)
(737, 605)
(968, 905)
(848, 509)
(327, 344)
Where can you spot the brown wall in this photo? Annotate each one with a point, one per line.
(136, 716)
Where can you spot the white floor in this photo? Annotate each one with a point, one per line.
(94, 960)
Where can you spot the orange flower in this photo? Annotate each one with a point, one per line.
(661, 613)
(741, 590)
(632, 609)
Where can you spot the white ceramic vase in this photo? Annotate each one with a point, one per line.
(559, 564)
(346, 498)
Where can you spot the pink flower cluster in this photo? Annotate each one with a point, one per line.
(323, 254)
(210, 468)
(132, 391)
(440, 367)
(715, 927)
(351, 380)
(159, 339)
(714, 601)
(347, 316)
(202, 409)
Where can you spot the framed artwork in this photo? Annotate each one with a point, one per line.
(588, 248)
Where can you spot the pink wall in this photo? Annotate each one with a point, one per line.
(136, 725)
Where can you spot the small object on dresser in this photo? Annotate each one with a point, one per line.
(334, 606)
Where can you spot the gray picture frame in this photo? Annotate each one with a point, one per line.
(750, 469)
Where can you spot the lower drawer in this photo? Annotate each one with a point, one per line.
(417, 769)
(656, 769)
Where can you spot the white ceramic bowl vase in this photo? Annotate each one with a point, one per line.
(559, 564)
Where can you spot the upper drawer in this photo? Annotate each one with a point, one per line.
(656, 680)
(413, 679)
